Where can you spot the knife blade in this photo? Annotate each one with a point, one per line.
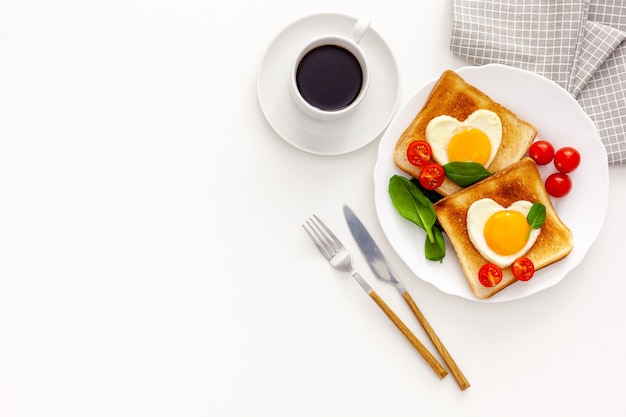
(370, 250)
(379, 266)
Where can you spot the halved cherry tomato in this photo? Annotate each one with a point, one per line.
(523, 269)
(432, 176)
(541, 152)
(419, 152)
(566, 159)
(490, 275)
(558, 184)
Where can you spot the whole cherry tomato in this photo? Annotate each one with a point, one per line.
(558, 184)
(566, 159)
(432, 176)
(490, 275)
(523, 269)
(541, 152)
(419, 152)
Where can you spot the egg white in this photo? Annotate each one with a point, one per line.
(441, 129)
(478, 214)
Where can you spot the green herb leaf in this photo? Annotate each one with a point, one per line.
(465, 173)
(412, 204)
(435, 251)
(536, 215)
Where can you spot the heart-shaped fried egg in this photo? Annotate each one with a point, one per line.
(501, 235)
(476, 139)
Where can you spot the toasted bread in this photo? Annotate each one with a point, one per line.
(520, 181)
(453, 96)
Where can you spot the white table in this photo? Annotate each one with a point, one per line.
(152, 261)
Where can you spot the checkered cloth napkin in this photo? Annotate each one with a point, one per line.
(576, 43)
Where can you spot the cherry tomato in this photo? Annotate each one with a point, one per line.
(541, 152)
(432, 176)
(419, 152)
(523, 269)
(566, 159)
(558, 184)
(490, 275)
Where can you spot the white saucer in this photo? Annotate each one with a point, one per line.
(356, 130)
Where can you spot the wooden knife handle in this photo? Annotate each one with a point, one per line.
(421, 349)
(452, 366)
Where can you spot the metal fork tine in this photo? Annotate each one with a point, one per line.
(323, 237)
(336, 243)
(317, 239)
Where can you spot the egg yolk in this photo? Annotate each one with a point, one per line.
(506, 232)
(469, 145)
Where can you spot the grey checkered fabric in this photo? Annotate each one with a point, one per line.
(579, 44)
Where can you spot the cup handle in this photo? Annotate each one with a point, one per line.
(359, 29)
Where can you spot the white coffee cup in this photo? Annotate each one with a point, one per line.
(330, 76)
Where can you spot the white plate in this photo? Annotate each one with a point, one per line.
(329, 137)
(559, 119)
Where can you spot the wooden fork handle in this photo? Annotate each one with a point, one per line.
(452, 366)
(421, 349)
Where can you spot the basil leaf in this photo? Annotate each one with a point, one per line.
(412, 204)
(465, 173)
(435, 251)
(536, 215)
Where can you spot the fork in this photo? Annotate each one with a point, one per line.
(339, 257)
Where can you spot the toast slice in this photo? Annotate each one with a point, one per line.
(453, 96)
(520, 181)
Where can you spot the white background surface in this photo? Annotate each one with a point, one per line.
(152, 261)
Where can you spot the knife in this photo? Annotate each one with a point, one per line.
(382, 271)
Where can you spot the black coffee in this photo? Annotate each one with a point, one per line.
(329, 77)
